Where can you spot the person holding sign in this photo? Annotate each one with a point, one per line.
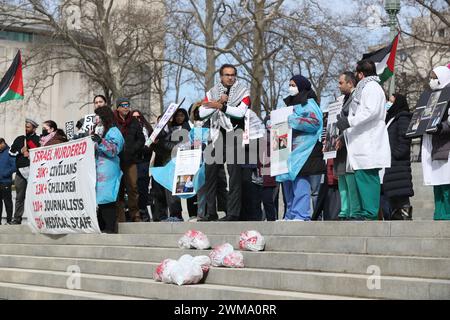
(368, 141)
(108, 144)
(134, 143)
(20, 150)
(51, 135)
(306, 160)
(435, 152)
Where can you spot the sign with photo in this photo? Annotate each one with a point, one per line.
(429, 112)
(280, 141)
(187, 165)
(332, 131)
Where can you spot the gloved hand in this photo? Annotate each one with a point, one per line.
(96, 138)
(342, 123)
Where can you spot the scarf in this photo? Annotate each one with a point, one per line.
(357, 94)
(219, 119)
(123, 124)
(44, 140)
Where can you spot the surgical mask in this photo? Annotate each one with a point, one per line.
(389, 105)
(293, 91)
(435, 84)
(44, 132)
(99, 129)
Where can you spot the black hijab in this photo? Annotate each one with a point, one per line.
(400, 105)
(305, 92)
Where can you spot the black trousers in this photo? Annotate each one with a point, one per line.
(6, 198)
(143, 183)
(107, 217)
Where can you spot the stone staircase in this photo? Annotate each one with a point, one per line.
(318, 260)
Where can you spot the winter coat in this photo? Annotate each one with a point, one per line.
(18, 144)
(367, 138)
(107, 163)
(441, 141)
(7, 167)
(57, 139)
(398, 178)
(134, 140)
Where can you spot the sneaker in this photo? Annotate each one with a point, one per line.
(193, 219)
(229, 218)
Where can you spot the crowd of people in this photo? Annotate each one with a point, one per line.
(370, 178)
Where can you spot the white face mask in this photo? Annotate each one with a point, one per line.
(99, 129)
(389, 105)
(293, 91)
(435, 84)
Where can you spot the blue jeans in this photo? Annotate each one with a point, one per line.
(298, 199)
(315, 182)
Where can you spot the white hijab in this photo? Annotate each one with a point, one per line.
(443, 74)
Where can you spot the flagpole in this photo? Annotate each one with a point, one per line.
(392, 8)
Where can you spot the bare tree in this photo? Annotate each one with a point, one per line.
(110, 45)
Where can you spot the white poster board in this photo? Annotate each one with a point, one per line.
(163, 121)
(61, 196)
(89, 123)
(187, 165)
(280, 141)
(332, 133)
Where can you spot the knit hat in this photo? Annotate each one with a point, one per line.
(119, 101)
(33, 123)
(302, 83)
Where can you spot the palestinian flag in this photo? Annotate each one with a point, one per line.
(11, 86)
(384, 60)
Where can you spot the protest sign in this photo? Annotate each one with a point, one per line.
(280, 141)
(186, 167)
(89, 123)
(60, 196)
(332, 131)
(70, 129)
(163, 121)
(429, 112)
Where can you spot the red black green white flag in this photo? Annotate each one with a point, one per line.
(384, 60)
(11, 86)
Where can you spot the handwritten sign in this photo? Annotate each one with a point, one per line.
(60, 196)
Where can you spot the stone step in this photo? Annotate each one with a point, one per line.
(426, 247)
(41, 257)
(13, 291)
(320, 228)
(349, 229)
(147, 288)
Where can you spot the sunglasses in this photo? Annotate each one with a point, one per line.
(124, 105)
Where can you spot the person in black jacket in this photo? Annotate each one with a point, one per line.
(397, 182)
(129, 157)
(20, 149)
(143, 166)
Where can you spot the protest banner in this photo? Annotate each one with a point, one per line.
(61, 196)
(332, 131)
(280, 141)
(163, 121)
(186, 167)
(70, 129)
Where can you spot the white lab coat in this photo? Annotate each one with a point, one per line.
(435, 173)
(367, 138)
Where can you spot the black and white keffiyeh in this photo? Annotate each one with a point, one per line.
(219, 119)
